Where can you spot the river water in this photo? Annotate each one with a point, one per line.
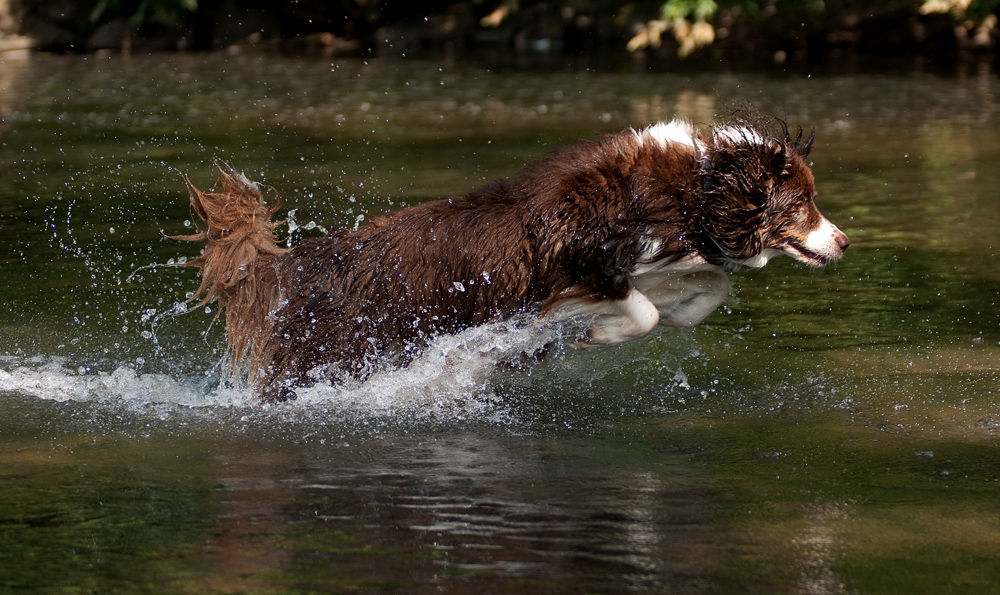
(826, 431)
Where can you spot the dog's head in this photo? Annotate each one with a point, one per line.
(759, 200)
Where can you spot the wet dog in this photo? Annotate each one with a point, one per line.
(628, 232)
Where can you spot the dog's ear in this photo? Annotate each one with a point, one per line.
(777, 160)
(802, 147)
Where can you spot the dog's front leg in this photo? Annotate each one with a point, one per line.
(621, 320)
(685, 300)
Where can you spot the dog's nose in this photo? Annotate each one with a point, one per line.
(842, 240)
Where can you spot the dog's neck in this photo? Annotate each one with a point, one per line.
(705, 243)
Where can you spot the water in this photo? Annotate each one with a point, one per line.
(827, 431)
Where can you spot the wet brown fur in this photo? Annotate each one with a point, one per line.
(237, 265)
(567, 226)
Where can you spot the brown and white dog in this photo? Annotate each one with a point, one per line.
(628, 232)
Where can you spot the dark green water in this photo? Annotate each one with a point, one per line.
(829, 431)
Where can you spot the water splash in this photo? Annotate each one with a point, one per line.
(450, 381)
(55, 380)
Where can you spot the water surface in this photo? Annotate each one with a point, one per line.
(827, 431)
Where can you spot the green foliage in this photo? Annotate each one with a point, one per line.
(979, 9)
(690, 22)
(697, 10)
(144, 12)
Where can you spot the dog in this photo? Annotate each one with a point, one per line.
(628, 232)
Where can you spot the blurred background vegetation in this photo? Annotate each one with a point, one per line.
(775, 30)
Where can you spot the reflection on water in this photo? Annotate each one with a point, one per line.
(454, 512)
(781, 447)
(447, 509)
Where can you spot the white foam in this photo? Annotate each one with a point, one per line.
(54, 381)
(449, 381)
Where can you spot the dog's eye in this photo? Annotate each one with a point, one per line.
(796, 213)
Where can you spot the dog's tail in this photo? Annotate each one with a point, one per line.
(238, 265)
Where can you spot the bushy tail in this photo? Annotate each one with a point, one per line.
(237, 266)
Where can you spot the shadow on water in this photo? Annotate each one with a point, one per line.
(827, 431)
